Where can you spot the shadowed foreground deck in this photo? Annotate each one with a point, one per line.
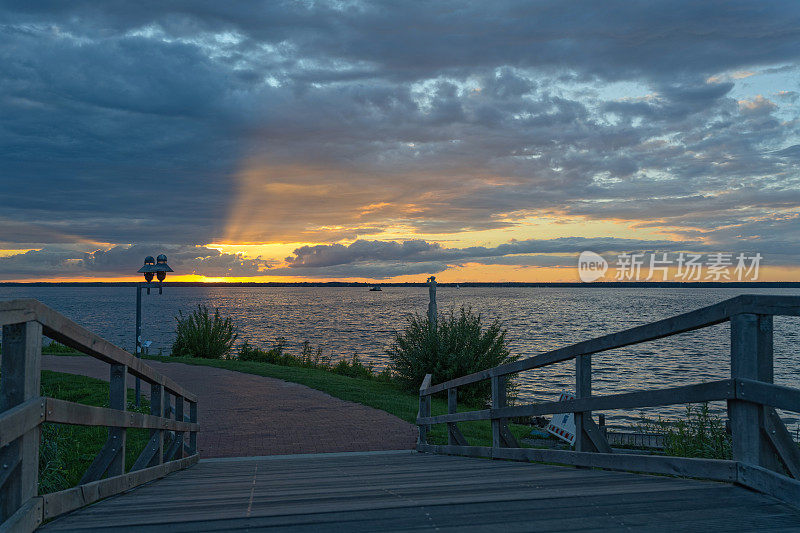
(403, 491)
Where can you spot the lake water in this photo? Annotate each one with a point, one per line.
(344, 321)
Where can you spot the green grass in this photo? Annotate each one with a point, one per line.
(67, 451)
(378, 394)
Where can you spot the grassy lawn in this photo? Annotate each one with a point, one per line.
(373, 393)
(67, 451)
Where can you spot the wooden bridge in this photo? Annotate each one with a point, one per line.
(451, 486)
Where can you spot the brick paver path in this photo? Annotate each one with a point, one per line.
(246, 415)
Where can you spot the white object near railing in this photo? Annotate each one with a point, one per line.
(765, 457)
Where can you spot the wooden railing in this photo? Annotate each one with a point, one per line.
(765, 457)
(23, 409)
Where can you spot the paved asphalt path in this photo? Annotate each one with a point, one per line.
(246, 415)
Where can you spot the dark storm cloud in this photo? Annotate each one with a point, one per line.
(132, 122)
(421, 251)
(69, 261)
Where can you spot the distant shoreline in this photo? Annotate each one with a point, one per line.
(603, 284)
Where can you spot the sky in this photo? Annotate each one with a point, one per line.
(390, 141)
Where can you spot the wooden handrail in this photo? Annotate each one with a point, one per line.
(697, 319)
(59, 328)
(764, 455)
(22, 411)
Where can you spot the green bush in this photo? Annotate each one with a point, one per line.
(201, 335)
(460, 345)
(56, 347)
(308, 358)
(251, 353)
(699, 434)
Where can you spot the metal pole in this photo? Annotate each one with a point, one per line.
(137, 344)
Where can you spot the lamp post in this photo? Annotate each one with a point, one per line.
(152, 267)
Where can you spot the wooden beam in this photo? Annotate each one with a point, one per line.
(178, 434)
(454, 435)
(27, 518)
(770, 394)
(424, 410)
(583, 389)
(58, 503)
(16, 316)
(18, 420)
(699, 318)
(751, 345)
(715, 469)
(156, 435)
(101, 461)
(713, 390)
(782, 442)
(20, 381)
(118, 400)
(498, 389)
(595, 435)
(61, 329)
(769, 482)
(193, 434)
(65, 412)
(508, 439)
(768, 304)
(9, 460)
(152, 451)
(174, 448)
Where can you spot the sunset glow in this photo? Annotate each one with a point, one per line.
(246, 151)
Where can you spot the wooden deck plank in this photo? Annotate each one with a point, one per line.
(418, 492)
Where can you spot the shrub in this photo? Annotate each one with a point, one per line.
(201, 335)
(308, 358)
(56, 347)
(699, 434)
(354, 368)
(460, 345)
(274, 355)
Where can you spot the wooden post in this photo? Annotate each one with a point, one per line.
(193, 434)
(452, 407)
(498, 401)
(168, 435)
(179, 434)
(751, 358)
(454, 435)
(424, 410)
(583, 389)
(157, 409)
(118, 400)
(20, 380)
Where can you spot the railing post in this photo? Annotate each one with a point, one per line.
(193, 434)
(179, 434)
(424, 410)
(497, 439)
(501, 435)
(168, 436)
(118, 400)
(157, 409)
(452, 408)
(751, 358)
(583, 389)
(21, 369)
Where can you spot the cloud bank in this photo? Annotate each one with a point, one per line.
(332, 122)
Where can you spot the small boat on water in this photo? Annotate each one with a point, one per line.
(375, 288)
